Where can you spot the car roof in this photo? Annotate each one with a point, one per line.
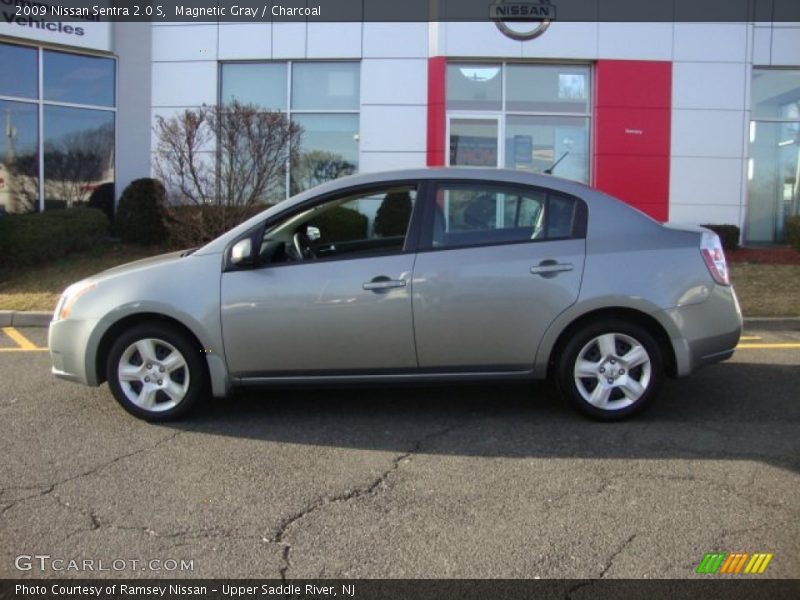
(454, 173)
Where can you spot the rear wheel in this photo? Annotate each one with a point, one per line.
(610, 370)
(156, 372)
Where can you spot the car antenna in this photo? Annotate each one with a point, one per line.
(549, 170)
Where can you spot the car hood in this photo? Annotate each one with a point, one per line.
(138, 265)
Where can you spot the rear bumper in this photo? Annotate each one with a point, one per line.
(705, 333)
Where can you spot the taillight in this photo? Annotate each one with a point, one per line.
(711, 249)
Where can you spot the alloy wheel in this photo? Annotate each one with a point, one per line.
(153, 375)
(612, 371)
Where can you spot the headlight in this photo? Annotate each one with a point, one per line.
(70, 295)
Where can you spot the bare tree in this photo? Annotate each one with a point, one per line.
(224, 160)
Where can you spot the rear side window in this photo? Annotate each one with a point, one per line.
(476, 214)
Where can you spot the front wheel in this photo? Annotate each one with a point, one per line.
(156, 372)
(610, 370)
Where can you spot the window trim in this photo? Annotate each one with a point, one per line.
(426, 232)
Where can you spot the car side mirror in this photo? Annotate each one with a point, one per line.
(313, 233)
(242, 253)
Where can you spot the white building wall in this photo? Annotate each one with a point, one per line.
(184, 71)
(710, 101)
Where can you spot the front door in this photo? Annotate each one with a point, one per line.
(332, 294)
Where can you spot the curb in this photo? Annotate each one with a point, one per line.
(773, 323)
(19, 318)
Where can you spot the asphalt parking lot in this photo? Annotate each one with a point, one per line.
(451, 481)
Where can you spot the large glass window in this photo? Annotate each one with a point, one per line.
(78, 79)
(773, 169)
(325, 86)
(536, 143)
(532, 117)
(59, 149)
(19, 157)
(329, 149)
(78, 154)
(21, 67)
(322, 97)
(474, 87)
(262, 84)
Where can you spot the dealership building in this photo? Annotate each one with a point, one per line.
(689, 122)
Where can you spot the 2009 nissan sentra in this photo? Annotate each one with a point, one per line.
(417, 275)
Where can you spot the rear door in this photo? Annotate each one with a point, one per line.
(497, 264)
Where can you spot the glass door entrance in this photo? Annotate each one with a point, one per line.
(474, 142)
(773, 168)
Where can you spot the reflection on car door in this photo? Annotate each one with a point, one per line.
(501, 265)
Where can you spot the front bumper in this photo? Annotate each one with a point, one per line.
(68, 341)
(705, 333)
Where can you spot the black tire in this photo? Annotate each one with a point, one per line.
(619, 405)
(164, 335)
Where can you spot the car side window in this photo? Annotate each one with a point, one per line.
(362, 224)
(466, 214)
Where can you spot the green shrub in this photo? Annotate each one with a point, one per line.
(33, 238)
(141, 212)
(791, 228)
(341, 224)
(728, 235)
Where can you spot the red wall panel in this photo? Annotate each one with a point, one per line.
(632, 132)
(436, 111)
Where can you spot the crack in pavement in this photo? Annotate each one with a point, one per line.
(369, 490)
(614, 556)
(606, 569)
(45, 489)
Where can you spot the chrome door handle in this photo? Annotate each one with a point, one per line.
(551, 268)
(379, 284)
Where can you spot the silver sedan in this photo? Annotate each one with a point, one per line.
(417, 275)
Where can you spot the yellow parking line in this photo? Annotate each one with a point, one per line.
(24, 349)
(750, 337)
(21, 341)
(766, 346)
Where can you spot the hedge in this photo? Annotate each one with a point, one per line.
(728, 235)
(791, 228)
(33, 238)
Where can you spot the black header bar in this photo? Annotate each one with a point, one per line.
(404, 10)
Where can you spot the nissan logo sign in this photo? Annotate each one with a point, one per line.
(534, 17)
